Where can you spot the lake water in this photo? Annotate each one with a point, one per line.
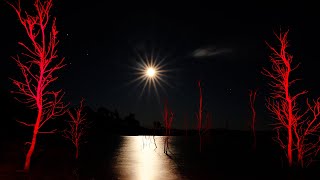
(222, 157)
(143, 158)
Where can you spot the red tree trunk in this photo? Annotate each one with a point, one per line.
(77, 152)
(33, 142)
(290, 118)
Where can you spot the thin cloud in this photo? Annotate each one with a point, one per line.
(209, 52)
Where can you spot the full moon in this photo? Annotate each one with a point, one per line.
(151, 72)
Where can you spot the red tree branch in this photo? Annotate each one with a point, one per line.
(25, 124)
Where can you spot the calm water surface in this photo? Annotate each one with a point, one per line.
(142, 158)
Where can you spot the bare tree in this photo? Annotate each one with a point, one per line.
(167, 118)
(252, 95)
(77, 127)
(185, 121)
(202, 129)
(38, 67)
(302, 138)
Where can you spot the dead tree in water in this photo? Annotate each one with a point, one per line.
(168, 118)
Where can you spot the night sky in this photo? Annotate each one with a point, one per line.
(220, 43)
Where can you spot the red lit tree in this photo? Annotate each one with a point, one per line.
(199, 116)
(167, 118)
(186, 124)
(301, 127)
(38, 69)
(208, 122)
(78, 126)
(252, 95)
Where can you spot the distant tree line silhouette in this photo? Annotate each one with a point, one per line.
(103, 120)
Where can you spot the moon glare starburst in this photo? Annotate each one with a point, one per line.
(151, 73)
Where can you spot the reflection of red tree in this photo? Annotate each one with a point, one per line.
(202, 130)
(39, 68)
(252, 95)
(77, 127)
(167, 118)
(302, 137)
